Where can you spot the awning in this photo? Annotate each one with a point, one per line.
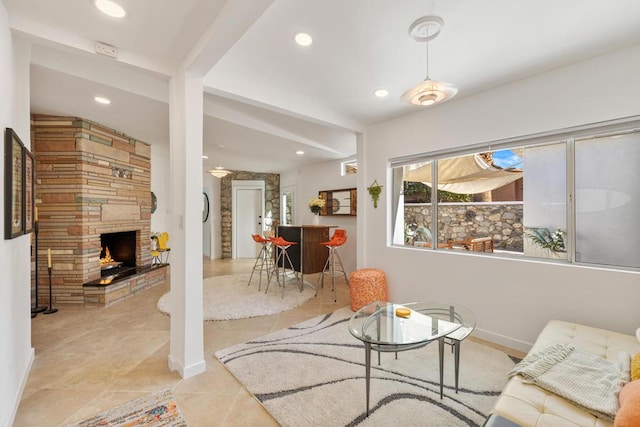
(463, 175)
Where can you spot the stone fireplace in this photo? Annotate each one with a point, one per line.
(93, 188)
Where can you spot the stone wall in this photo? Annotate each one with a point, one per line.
(271, 203)
(89, 180)
(457, 221)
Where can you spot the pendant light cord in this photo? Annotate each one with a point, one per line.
(427, 61)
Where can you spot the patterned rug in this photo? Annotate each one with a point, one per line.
(156, 410)
(229, 297)
(312, 374)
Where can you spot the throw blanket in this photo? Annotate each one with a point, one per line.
(589, 381)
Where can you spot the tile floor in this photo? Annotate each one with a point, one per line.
(91, 359)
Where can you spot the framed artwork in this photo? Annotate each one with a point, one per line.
(29, 199)
(339, 202)
(13, 185)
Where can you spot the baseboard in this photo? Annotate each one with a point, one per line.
(23, 384)
(189, 371)
(503, 340)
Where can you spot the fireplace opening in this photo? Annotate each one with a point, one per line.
(117, 254)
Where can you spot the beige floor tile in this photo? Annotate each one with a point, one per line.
(50, 407)
(247, 411)
(151, 374)
(89, 359)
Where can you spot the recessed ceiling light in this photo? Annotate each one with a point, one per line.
(110, 8)
(299, 152)
(205, 157)
(101, 100)
(303, 39)
(381, 93)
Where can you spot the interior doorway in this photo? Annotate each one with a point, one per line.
(247, 205)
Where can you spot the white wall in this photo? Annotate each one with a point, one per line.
(16, 354)
(214, 224)
(160, 186)
(324, 176)
(512, 299)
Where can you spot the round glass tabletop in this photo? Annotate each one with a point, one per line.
(381, 323)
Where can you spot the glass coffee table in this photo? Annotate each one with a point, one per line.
(384, 328)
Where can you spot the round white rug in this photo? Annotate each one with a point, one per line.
(229, 297)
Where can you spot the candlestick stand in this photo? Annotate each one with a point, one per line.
(50, 310)
(36, 308)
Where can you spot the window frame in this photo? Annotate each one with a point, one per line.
(566, 136)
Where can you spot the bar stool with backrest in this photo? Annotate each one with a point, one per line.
(264, 260)
(282, 258)
(332, 266)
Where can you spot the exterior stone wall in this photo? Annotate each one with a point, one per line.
(457, 221)
(89, 180)
(271, 204)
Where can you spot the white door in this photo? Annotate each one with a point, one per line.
(248, 207)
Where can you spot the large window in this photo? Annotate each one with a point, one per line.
(574, 198)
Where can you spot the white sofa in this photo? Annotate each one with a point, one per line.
(529, 405)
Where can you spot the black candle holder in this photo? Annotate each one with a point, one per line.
(50, 310)
(36, 308)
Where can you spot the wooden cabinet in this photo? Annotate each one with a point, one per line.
(339, 202)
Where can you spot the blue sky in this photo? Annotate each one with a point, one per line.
(507, 159)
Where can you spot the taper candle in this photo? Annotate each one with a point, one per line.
(49, 257)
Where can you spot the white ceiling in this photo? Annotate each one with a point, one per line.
(266, 97)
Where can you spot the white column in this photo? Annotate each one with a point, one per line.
(186, 354)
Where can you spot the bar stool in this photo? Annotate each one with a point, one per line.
(338, 239)
(265, 259)
(283, 256)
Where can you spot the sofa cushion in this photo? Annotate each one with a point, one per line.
(629, 413)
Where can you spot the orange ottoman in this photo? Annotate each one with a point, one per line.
(366, 286)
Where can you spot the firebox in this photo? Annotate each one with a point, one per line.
(118, 252)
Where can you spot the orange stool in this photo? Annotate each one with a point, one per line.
(265, 258)
(338, 239)
(367, 285)
(283, 245)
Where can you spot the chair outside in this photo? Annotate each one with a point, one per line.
(162, 251)
(333, 266)
(264, 261)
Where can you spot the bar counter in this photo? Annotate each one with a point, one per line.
(308, 256)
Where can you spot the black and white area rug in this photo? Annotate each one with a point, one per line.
(313, 374)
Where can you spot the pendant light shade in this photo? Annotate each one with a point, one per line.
(428, 92)
(219, 172)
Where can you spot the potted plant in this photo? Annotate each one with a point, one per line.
(315, 206)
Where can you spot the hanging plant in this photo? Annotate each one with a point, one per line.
(374, 190)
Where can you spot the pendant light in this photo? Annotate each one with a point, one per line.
(428, 92)
(219, 172)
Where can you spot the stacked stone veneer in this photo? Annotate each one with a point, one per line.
(89, 180)
(271, 202)
(457, 221)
